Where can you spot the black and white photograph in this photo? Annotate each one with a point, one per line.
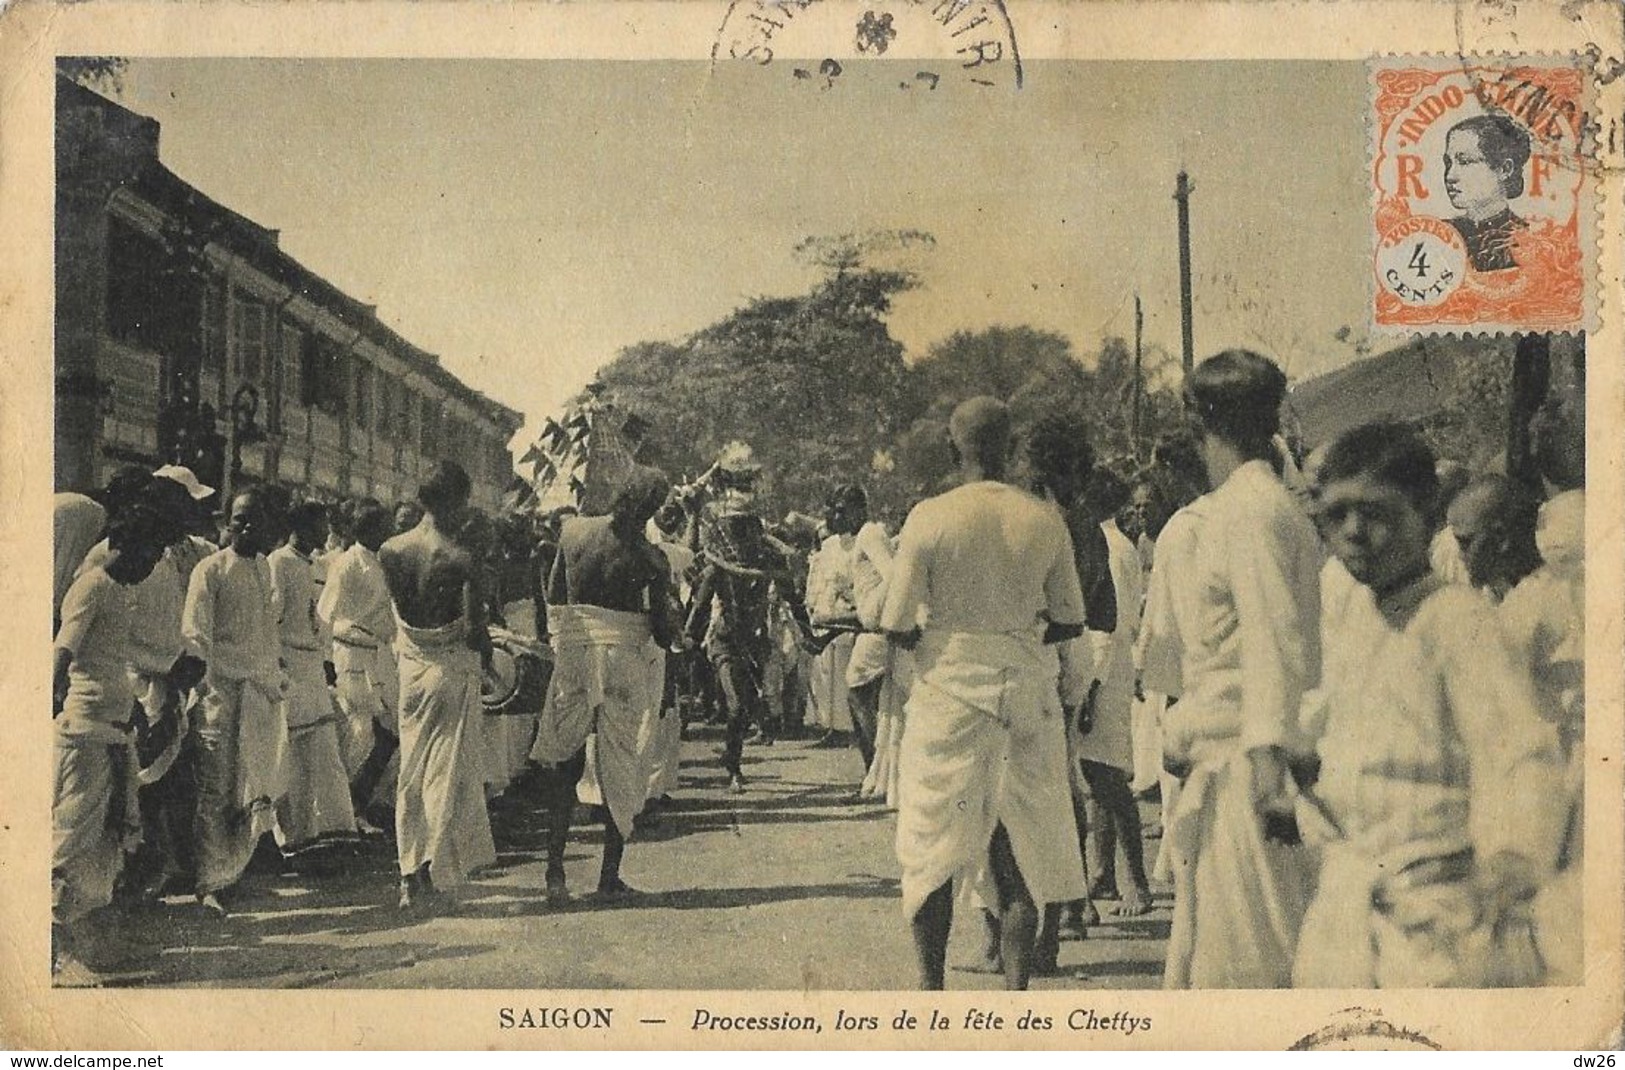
(930, 516)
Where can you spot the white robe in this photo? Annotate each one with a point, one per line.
(440, 815)
(1545, 618)
(1432, 748)
(1248, 623)
(1160, 651)
(318, 797)
(1110, 739)
(829, 597)
(984, 566)
(230, 623)
(871, 562)
(93, 812)
(354, 605)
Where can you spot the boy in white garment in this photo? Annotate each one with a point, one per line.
(1440, 783)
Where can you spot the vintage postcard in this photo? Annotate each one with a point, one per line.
(831, 524)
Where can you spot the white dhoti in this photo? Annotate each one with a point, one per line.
(440, 817)
(985, 746)
(94, 819)
(665, 730)
(828, 685)
(1238, 900)
(242, 774)
(605, 684)
(1428, 933)
(368, 690)
(882, 779)
(1110, 739)
(1145, 728)
(318, 797)
(1346, 943)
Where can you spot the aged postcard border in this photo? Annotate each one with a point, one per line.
(34, 1015)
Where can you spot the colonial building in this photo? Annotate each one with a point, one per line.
(184, 334)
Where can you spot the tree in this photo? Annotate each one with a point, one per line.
(815, 383)
(1038, 374)
(94, 72)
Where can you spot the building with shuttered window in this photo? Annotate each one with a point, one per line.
(184, 334)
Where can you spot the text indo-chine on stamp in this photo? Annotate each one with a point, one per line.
(1481, 206)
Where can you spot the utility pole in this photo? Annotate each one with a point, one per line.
(1139, 386)
(1182, 194)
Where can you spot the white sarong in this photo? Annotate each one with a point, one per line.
(318, 797)
(93, 815)
(242, 774)
(605, 683)
(1238, 900)
(440, 813)
(665, 730)
(828, 686)
(985, 745)
(368, 690)
(883, 777)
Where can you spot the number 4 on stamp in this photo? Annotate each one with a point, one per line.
(1481, 195)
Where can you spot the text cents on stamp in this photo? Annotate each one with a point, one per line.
(970, 38)
(1481, 217)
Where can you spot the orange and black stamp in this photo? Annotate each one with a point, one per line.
(1482, 195)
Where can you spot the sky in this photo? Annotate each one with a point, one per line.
(525, 220)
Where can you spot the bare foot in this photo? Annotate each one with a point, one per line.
(982, 965)
(211, 902)
(1136, 901)
(1075, 921)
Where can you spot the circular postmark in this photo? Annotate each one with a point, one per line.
(972, 40)
(1359, 1029)
(1421, 261)
(1498, 29)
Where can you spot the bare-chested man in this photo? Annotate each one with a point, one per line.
(609, 598)
(441, 828)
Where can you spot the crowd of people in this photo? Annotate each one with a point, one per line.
(1354, 678)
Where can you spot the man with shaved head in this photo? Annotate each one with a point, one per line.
(1493, 520)
(983, 585)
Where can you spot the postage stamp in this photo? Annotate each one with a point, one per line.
(1481, 194)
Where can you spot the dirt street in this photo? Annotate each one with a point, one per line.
(790, 886)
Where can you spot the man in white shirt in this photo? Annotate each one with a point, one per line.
(93, 810)
(982, 586)
(1252, 650)
(230, 623)
(318, 801)
(355, 606)
(868, 563)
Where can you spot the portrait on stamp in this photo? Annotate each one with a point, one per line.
(1480, 189)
